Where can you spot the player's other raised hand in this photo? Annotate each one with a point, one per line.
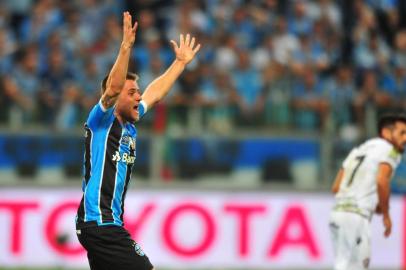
(186, 50)
(128, 30)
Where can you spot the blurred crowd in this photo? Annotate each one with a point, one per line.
(263, 63)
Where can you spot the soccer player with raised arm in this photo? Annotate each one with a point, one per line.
(362, 188)
(110, 154)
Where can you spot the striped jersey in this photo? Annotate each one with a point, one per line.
(110, 151)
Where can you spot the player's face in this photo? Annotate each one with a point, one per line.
(399, 136)
(128, 101)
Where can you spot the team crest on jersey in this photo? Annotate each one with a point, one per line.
(130, 141)
(138, 249)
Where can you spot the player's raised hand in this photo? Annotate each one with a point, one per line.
(128, 29)
(186, 50)
(387, 223)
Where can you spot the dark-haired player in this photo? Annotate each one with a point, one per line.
(362, 188)
(110, 154)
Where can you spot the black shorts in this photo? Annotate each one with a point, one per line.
(111, 247)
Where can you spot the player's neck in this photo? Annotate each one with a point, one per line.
(391, 142)
(120, 118)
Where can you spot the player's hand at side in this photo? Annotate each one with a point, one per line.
(128, 30)
(387, 223)
(186, 50)
(378, 210)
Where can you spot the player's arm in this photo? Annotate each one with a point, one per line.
(383, 185)
(118, 73)
(158, 88)
(337, 181)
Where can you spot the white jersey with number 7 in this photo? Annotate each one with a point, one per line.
(358, 188)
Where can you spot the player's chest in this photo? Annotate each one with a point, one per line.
(123, 139)
(128, 143)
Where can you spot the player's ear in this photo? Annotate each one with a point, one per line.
(385, 133)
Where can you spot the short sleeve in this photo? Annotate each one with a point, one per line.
(386, 153)
(100, 116)
(142, 109)
(348, 159)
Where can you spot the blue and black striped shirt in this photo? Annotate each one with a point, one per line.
(109, 156)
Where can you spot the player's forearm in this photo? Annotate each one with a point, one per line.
(118, 73)
(337, 182)
(383, 195)
(160, 87)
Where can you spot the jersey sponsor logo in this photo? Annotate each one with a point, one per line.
(130, 141)
(125, 157)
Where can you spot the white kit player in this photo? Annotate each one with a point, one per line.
(362, 188)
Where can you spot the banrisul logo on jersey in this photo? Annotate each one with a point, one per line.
(124, 157)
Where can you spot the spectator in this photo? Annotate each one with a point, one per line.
(388, 18)
(146, 22)
(283, 39)
(143, 54)
(399, 56)
(104, 48)
(4, 103)
(54, 77)
(365, 22)
(394, 84)
(23, 86)
(75, 34)
(341, 91)
(262, 55)
(308, 55)
(277, 95)
(243, 29)
(300, 23)
(226, 53)
(216, 97)
(309, 105)
(7, 47)
(374, 54)
(89, 80)
(325, 9)
(284, 43)
(43, 20)
(68, 110)
(248, 84)
(370, 96)
(94, 14)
